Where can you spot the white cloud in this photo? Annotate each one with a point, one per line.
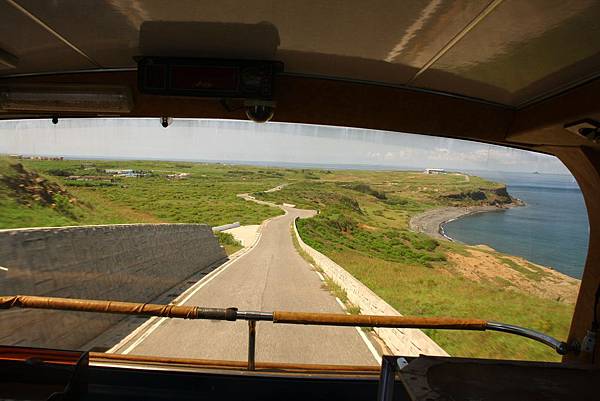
(244, 141)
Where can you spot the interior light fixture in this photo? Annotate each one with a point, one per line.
(65, 98)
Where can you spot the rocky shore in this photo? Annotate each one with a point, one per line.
(431, 222)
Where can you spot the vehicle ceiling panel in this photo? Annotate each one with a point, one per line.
(508, 51)
(524, 49)
(35, 48)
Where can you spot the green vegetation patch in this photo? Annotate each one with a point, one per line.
(229, 242)
(29, 199)
(352, 217)
(530, 271)
(367, 233)
(205, 193)
(80, 192)
(365, 189)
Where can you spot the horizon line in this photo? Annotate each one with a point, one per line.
(267, 163)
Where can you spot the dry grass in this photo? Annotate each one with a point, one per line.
(514, 273)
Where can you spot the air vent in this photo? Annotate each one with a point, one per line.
(587, 128)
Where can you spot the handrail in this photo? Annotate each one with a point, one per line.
(560, 347)
(277, 317)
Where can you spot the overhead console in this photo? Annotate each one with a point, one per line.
(242, 79)
(249, 80)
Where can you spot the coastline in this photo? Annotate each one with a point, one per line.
(432, 221)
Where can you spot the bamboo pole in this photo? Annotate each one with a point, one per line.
(278, 317)
(334, 319)
(195, 312)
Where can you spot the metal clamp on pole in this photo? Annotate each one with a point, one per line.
(229, 314)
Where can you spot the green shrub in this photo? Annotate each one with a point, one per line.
(63, 206)
(428, 244)
(58, 172)
(90, 184)
(366, 189)
(227, 239)
(350, 203)
(341, 222)
(229, 242)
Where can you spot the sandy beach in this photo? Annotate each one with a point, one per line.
(431, 221)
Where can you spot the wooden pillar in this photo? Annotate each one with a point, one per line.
(584, 163)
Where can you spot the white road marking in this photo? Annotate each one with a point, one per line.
(3, 268)
(155, 322)
(369, 345)
(362, 335)
(130, 336)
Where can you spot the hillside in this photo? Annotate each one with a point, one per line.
(363, 225)
(50, 193)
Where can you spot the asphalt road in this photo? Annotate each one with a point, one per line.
(271, 276)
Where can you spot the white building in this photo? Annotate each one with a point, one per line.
(435, 171)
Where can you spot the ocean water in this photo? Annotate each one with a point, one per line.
(552, 230)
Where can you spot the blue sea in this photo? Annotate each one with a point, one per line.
(551, 230)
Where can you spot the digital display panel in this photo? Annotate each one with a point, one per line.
(247, 79)
(188, 77)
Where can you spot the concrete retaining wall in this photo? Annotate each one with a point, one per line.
(227, 226)
(405, 342)
(130, 262)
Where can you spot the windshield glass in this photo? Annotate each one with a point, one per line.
(283, 217)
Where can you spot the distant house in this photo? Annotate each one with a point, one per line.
(125, 173)
(36, 157)
(435, 171)
(118, 172)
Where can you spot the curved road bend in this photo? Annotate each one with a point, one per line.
(271, 276)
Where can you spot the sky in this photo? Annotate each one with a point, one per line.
(245, 141)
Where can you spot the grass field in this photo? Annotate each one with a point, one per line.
(415, 290)
(207, 195)
(362, 225)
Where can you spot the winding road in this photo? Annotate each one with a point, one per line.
(270, 276)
